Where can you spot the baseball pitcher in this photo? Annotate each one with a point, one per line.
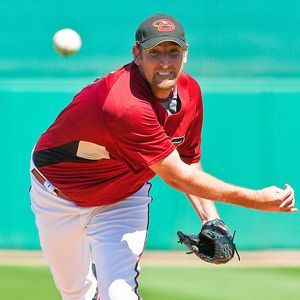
(90, 170)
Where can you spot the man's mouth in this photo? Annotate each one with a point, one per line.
(165, 74)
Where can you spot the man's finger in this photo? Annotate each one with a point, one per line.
(288, 201)
(294, 209)
(287, 186)
(291, 205)
(284, 194)
(289, 209)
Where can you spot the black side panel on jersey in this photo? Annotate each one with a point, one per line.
(62, 153)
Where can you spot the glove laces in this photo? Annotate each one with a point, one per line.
(234, 246)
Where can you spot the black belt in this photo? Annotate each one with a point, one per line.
(42, 181)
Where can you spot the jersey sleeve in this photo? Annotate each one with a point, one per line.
(138, 138)
(190, 150)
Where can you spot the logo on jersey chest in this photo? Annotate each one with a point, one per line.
(178, 140)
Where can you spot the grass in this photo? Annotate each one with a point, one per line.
(170, 283)
(26, 283)
(220, 283)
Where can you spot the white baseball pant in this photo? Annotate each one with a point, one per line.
(115, 234)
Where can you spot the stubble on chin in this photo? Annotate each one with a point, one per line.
(166, 84)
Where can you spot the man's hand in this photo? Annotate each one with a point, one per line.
(275, 199)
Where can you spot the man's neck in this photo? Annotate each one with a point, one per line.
(165, 96)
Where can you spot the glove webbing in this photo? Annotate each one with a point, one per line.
(234, 247)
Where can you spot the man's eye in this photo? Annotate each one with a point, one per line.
(154, 53)
(174, 52)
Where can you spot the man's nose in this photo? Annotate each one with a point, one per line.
(165, 61)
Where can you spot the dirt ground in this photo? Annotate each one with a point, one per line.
(174, 258)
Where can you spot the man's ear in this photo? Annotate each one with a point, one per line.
(136, 55)
(185, 54)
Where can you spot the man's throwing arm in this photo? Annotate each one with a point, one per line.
(193, 181)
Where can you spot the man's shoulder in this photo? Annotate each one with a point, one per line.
(125, 96)
(108, 80)
(189, 87)
(190, 81)
(115, 83)
(126, 81)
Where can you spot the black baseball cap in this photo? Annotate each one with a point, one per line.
(160, 28)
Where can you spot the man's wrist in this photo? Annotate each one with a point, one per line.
(246, 197)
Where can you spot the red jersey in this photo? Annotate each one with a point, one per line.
(99, 149)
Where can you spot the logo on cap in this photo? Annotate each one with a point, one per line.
(163, 25)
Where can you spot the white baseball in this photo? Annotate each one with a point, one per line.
(67, 41)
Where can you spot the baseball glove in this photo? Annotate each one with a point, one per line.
(214, 244)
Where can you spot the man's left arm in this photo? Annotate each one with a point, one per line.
(205, 208)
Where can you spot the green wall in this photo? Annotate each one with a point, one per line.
(245, 56)
(250, 138)
(226, 38)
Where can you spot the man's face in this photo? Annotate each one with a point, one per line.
(161, 66)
